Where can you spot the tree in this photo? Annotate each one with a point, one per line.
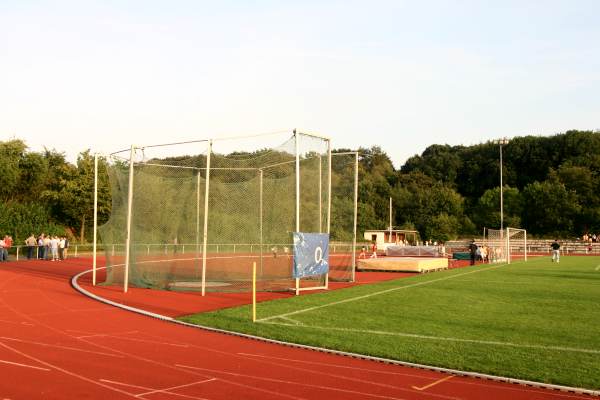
(550, 208)
(73, 193)
(486, 213)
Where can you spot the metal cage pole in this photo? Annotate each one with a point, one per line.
(205, 233)
(297, 150)
(94, 261)
(129, 212)
(320, 195)
(197, 220)
(328, 199)
(260, 213)
(355, 217)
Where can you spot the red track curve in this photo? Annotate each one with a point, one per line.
(57, 344)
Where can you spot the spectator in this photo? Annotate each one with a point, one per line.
(41, 247)
(47, 247)
(1, 249)
(473, 251)
(61, 248)
(54, 247)
(66, 249)
(7, 245)
(30, 242)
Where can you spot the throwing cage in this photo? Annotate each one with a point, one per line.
(196, 215)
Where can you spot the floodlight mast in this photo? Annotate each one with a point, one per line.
(501, 142)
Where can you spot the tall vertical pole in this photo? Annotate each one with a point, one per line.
(297, 149)
(260, 212)
(320, 196)
(197, 262)
(95, 217)
(328, 185)
(328, 199)
(205, 233)
(390, 238)
(501, 192)
(525, 249)
(507, 246)
(129, 215)
(355, 216)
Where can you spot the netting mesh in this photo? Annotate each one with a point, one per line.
(495, 244)
(506, 246)
(225, 205)
(517, 244)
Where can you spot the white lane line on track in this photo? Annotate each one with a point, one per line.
(150, 390)
(442, 338)
(16, 323)
(321, 387)
(167, 390)
(23, 365)
(519, 388)
(185, 346)
(329, 365)
(366, 296)
(64, 371)
(90, 334)
(56, 346)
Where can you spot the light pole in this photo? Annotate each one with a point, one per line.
(501, 142)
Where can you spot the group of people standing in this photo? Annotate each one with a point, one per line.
(49, 247)
(5, 244)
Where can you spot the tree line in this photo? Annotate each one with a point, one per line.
(551, 188)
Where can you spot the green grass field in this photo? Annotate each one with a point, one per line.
(537, 320)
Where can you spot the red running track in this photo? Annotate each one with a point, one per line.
(57, 344)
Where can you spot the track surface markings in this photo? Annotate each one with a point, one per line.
(23, 365)
(433, 383)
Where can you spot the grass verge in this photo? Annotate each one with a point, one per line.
(537, 320)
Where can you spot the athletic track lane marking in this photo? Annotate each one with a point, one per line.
(329, 388)
(433, 383)
(23, 365)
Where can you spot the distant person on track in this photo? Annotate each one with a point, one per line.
(555, 251)
(374, 250)
(363, 252)
(473, 251)
(2, 249)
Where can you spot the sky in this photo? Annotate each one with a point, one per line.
(402, 75)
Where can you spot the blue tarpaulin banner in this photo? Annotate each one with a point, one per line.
(311, 254)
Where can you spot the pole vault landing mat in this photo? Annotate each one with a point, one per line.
(404, 264)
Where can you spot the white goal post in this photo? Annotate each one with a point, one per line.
(516, 244)
(506, 245)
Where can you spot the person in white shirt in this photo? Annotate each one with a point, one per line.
(54, 248)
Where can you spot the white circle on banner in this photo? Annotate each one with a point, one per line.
(318, 255)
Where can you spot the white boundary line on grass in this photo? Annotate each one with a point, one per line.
(442, 338)
(366, 296)
(476, 375)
